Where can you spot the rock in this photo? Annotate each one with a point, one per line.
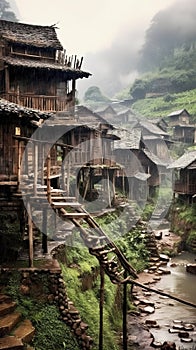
(186, 340)
(164, 271)
(178, 326)
(164, 257)
(25, 290)
(183, 335)
(177, 321)
(159, 235)
(191, 268)
(152, 324)
(148, 309)
(188, 327)
(168, 346)
(156, 344)
(172, 330)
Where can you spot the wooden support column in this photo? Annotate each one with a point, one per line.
(19, 162)
(44, 232)
(73, 92)
(35, 169)
(113, 185)
(48, 160)
(68, 176)
(125, 313)
(7, 82)
(42, 163)
(108, 188)
(30, 234)
(101, 306)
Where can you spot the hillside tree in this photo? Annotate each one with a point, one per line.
(6, 12)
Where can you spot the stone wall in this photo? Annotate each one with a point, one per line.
(48, 285)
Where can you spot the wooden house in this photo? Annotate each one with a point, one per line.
(38, 81)
(185, 133)
(181, 116)
(183, 130)
(155, 139)
(184, 183)
(143, 170)
(35, 71)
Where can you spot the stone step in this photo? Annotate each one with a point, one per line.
(7, 308)
(8, 322)
(11, 343)
(25, 331)
(5, 298)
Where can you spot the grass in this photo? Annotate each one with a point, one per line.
(158, 107)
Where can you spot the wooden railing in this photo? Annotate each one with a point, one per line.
(180, 187)
(42, 102)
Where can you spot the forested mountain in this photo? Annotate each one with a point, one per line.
(168, 57)
(6, 12)
(171, 30)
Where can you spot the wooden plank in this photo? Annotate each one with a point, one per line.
(75, 215)
(65, 204)
(62, 198)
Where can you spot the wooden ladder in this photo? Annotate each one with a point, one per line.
(99, 244)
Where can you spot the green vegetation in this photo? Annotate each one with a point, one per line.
(183, 222)
(81, 274)
(51, 333)
(159, 107)
(94, 94)
(5, 11)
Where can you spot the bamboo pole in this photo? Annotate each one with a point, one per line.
(180, 300)
(30, 232)
(101, 305)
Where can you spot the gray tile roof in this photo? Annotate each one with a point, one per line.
(184, 161)
(31, 35)
(70, 72)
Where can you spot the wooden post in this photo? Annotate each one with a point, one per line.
(30, 232)
(48, 177)
(42, 163)
(125, 313)
(108, 188)
(44, 232)
(68, 176)
(101, 305)
(113, 186)
(7, 83)
(123, 183)
(35, 168)
(19, 161)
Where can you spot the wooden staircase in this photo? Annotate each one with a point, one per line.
(15, 333)
(99, 244)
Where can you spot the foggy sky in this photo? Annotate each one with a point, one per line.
(107, 33)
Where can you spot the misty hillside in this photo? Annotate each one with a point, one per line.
(170, 29)
(167, 64)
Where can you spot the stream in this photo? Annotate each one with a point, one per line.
(183, 285)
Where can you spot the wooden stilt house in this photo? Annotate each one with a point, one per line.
(37, 80)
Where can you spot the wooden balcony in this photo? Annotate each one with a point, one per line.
(184, 188)
(42, 102)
